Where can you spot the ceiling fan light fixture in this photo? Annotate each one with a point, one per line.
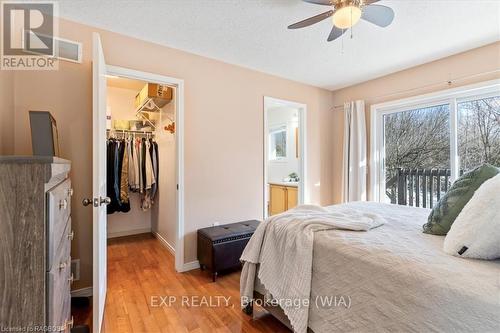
(346, 17)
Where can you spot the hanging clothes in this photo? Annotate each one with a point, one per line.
(150, 177)
(146, 178)
(137, 164)
(124, 198)
(110, 176)
(117, 170)
(132, 166)
(153, 150)
(140, 173)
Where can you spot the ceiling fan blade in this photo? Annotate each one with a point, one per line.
(378, 15)
(320, 2)
(312, 20)
(335, 33)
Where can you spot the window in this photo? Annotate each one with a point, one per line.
(479, 132)
(416, 139)
(420, 145)
(277, 143)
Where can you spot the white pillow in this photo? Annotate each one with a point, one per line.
(476, 230)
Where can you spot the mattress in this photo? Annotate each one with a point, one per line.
(396, 278)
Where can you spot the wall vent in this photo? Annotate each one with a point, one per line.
(68, 50)
(75, 269)
(65, 49)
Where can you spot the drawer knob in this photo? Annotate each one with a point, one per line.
(63, 204)
(71, 235)
(71, 278)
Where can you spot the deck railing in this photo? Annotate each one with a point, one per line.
(417, 187)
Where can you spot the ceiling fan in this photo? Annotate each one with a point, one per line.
(346, 13)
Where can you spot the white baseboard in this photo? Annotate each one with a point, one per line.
(83, 292)
(164, 242)
(189, 266)
(128, 232)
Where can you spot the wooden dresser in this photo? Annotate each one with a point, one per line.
(35, 244)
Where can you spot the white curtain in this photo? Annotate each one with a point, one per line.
(355, 159)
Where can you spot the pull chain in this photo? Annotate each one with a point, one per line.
(352, 27)
(342, 37)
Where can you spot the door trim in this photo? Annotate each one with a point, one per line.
(302, 109)
(179, 132)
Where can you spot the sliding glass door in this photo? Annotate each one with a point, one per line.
(422, 146)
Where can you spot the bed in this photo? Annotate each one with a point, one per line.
(395, 278)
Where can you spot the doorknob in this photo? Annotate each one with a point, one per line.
(96, 202)
(105, 200)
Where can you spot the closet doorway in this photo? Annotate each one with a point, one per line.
(284, 155)
(148, 106)
(168, 122)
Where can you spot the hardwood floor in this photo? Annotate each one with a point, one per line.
(141, 270)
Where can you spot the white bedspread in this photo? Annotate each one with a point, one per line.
(396, 279)
(283, 246)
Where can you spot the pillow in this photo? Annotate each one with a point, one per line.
(450, 205)
(476, 231)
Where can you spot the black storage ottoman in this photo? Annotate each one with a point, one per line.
(220, 247)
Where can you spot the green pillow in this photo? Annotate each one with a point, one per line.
(447, 209)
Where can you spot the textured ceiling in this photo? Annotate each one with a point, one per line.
(253, 34)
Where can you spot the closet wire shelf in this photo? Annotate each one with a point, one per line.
(112, 132)
(149, 105)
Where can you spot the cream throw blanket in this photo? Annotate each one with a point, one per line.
(283, 248)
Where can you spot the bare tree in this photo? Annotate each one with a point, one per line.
(420, 139)
(479, 132)
(416, 139)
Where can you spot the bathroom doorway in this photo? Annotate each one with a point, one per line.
(284, 155)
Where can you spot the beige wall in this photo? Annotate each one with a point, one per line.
(6, 112)
(388, 88)
(163, 217)
(223, 131)
(67, 94)
(223, 162)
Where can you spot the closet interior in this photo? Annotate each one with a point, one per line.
(141, 159)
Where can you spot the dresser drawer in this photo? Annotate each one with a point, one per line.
(58, 208)
(59, 312)
(59, 285)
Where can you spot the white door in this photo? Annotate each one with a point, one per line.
(99, 182)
